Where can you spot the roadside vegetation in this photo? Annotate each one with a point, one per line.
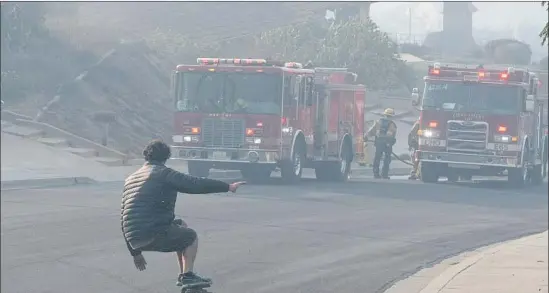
(354, 44)
(545, 31)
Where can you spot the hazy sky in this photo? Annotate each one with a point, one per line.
(493, 20)
(427, 16)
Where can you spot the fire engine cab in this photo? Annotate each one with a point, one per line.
(480, 120)
(258, 116)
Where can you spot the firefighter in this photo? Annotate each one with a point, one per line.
(241, 104)
(413, 144)
(238, 105)
(384, 130)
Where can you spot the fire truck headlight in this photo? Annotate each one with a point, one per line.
(502, 138)
(257, 140)
(188, 138)
(429, 133)
(177, 138)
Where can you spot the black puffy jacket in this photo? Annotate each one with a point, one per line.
(148, 200)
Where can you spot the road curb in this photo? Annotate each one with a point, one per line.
(428, 282)
(45, 182)
(438, 283)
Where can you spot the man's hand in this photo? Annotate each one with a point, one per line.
(140, 262)
(234, 186)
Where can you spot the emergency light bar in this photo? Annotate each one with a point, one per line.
(468, 73)
(216, 61)
(293, 65)
(247, 62)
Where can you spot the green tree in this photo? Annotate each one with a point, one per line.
(354, 44)
(545, 31)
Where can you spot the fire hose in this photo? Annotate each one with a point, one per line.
(403, 161)
(409, 163)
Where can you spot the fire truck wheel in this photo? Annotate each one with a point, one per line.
(536, 176)
(198, 169)
(338, 171)
(342, 169)
(429, 172)
(292, 170)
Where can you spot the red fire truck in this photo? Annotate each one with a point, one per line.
(258, 116)
(480, 120)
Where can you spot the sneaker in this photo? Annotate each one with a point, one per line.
(376, 176)
(190, 279)
(179, 282)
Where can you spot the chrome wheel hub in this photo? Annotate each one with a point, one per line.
(297, 164)
(343, 166)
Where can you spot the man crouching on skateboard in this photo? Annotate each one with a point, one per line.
(148, 218)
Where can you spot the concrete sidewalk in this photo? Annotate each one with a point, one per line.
(517, 266)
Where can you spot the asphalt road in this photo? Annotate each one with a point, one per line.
(313, 237)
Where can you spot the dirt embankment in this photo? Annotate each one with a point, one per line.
(129, 82)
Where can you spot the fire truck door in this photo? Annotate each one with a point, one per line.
(320, 127)
(297, 91)
(333, 127)
(290, 104)
(306, 121)
(346, 113)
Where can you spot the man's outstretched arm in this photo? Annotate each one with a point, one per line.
(194, 185)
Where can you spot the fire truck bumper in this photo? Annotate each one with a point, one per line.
(219, 156)
(468, 161)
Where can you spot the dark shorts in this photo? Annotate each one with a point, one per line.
(176, 238)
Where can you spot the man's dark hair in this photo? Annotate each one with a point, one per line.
(157, 150)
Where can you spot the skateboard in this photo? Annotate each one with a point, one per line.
(199, 288)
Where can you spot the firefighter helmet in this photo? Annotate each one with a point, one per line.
(389, 112)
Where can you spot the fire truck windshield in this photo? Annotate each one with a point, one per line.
(228, 92)
(472, 97)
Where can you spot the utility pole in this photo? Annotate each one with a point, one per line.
(410, 25)
(106, 118)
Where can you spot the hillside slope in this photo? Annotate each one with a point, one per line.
(130, 83)
(203, 21)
